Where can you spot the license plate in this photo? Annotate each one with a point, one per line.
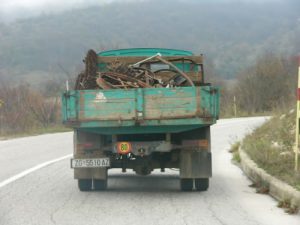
(90, 163)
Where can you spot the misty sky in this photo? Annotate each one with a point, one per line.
(13, 9)
(11, 4)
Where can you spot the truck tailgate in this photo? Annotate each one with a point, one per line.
(140, 104)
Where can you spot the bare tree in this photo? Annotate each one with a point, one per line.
(42, 109)
(266, 85)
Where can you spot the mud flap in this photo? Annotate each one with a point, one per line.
(195, 164)
(80, 151)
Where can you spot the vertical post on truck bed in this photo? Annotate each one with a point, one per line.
(297, 120)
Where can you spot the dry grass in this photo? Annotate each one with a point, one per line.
(271, 147)
(37, 131)
(235, 152)
(261, 187)
(288, 208)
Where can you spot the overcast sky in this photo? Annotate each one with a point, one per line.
(11, 4)
(12, 9)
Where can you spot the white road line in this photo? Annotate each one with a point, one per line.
(31, 170)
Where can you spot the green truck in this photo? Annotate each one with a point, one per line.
(160, 119)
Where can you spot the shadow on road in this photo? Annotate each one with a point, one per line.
(136, 183)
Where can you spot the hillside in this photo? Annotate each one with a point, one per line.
(231, 35)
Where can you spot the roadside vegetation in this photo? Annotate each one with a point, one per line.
(268, 88)
(28, 111)
(271, 147)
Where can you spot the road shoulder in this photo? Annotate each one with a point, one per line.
(277, 188)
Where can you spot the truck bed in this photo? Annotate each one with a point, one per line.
(141, 110)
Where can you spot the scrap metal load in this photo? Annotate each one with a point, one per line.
(125, 76)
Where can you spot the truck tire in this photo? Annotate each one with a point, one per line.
(201, 184)
(100, 185)
(85, 184)
(186, 184)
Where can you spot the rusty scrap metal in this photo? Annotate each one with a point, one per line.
(120, 75)
(176, 69)
(145, 60)
(107, 80)
(87, 78)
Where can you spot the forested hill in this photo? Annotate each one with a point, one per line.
(230, 34)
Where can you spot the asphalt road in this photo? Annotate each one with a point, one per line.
(47, 193)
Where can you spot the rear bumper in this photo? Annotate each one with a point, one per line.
(144, 148)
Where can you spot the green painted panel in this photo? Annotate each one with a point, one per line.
(141, 110)
(141, 129)
(210, 100)
(169, 103)
(107, 105)
(69, 105)
(152, 126)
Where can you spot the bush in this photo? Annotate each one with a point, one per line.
(270, 84)
(24, 109)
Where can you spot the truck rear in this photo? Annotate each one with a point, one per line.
(141, 109)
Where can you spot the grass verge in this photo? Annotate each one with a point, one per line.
(271, 147)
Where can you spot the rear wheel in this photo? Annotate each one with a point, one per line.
(85, 184)
(201, 184)
(100, 185)
(186, 184)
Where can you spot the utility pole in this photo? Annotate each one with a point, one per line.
(296, 150)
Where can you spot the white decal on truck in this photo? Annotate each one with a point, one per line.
(100, 97)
